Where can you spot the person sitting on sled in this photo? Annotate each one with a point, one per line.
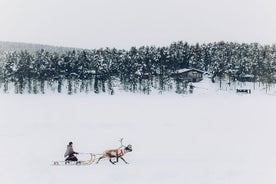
(70, 153)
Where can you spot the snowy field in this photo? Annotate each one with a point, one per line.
(210, 139)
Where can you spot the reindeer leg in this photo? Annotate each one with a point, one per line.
(117, 159)
(124, 160)
(111, 161)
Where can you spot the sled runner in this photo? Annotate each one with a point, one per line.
(76, 163)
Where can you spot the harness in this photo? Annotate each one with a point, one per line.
(117, 152)
(121, 152)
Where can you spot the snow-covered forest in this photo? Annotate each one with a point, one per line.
(140, 69)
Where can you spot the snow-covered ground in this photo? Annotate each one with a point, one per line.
(191, 139)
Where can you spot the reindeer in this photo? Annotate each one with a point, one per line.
(116, 153)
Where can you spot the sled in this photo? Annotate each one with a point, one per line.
(75, 163)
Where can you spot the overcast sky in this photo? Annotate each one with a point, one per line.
(126, 23)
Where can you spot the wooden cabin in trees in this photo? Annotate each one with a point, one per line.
(189, 75)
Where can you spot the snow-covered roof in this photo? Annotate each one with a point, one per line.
(141, 73)
(90, 72)
(188, 70)
(248, 75)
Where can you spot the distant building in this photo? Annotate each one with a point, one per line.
(189, 75)
(142, 75)
(246, 78)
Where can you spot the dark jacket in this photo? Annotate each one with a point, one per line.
(69, 151)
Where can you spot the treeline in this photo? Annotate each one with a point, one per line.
(137, 70)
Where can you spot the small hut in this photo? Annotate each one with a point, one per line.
(189, 75)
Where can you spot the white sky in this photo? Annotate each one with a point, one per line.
(126, 23)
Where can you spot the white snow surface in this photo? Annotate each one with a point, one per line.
(192, 139)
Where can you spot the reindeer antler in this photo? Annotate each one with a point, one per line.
(121, 141)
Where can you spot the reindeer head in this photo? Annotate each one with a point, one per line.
(128, 148)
